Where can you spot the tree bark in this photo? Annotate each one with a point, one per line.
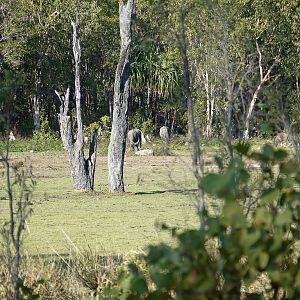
(82, 170)
(198, 162)
(117, 145)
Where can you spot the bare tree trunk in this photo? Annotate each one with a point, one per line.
(117, 145)
(82, 170)
(36, 112)
(198, 163)
(210, 102)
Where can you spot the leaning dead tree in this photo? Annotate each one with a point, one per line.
(117, 145)
(82, 170)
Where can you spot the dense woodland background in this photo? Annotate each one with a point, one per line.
(215, 69)
(230, 45)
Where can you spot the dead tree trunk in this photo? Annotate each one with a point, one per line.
(82, 170)
(117, 145)
(198, 163)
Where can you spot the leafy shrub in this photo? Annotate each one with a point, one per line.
(105, 126)
(44, 139)
(136, 120)
(89, 130)
(256, 235)
(161, 149)
(181, 126)
(148, 127)
(19, 145)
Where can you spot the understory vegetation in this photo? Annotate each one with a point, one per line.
(249, 248)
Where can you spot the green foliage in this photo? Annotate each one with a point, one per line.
(44, 139)
(19, 186)
(257, 233)
(136, 120)
(90, 129)
(149, 127)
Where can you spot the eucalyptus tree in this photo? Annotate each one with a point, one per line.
(117, 145)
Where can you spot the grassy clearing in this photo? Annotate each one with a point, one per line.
(158, 189)
(76, 236)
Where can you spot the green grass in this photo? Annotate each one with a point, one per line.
(158, 189)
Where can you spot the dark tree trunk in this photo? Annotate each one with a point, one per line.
(117, 145)
(82, 170)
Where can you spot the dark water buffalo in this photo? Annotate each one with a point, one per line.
(164, 134)
(134, 139)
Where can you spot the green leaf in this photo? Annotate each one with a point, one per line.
(221, 185)
(268, 151)
(19, 282)
(266, 127)
(250, 238)
(262, 106)
(244, 176)
(161, 277)
(212, 183)
(284, 218)
(242, 148)
(233, 215)
(219, 162)
(262, 218)
(280, 155)
(275, 275)
(139, 285)
(269, 196)
(288, 167)
(263, 260)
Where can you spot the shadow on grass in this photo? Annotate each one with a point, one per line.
(176, 191)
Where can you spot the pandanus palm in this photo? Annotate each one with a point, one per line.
(154, 80)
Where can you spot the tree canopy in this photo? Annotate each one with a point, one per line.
(223, 41)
